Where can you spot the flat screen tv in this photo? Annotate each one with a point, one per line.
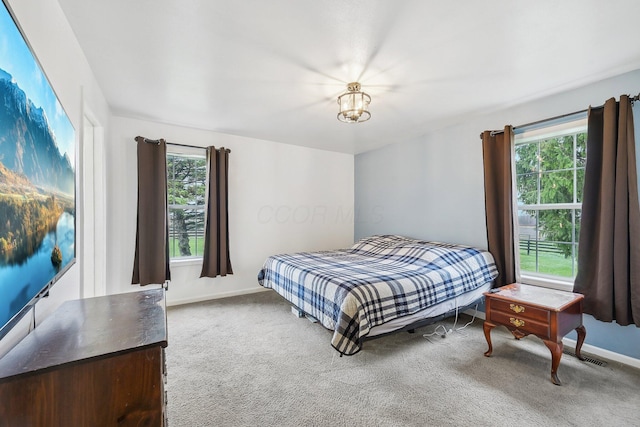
(37, 179)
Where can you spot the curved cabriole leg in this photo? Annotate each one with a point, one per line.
(556, 354)
(487, 334)
(582, 333)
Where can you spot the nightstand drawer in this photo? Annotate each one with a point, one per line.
(522, 311)
(521, 323)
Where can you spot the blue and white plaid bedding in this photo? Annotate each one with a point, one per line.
(379, 279)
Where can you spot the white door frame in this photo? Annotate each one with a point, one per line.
(93, 202)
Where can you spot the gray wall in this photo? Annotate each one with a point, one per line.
(432, 188)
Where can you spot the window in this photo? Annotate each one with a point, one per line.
(186, 187)
(550, 164)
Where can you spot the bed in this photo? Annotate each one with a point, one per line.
(379, 285)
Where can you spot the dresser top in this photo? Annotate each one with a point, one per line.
(550, 298)
(89, 328)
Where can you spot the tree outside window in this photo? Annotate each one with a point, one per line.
(186, 187)
(549, 184)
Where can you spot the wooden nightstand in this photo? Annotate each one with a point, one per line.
(546, 313)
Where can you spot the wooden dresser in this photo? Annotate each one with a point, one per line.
(548, 314)
(92, 362)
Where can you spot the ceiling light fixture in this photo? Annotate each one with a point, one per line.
(354, 105)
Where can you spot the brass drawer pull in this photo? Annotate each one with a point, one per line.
(516, 308)
(516, 322)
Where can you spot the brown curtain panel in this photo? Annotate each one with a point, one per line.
(216, 260)
(151, 261)
(609, 245)
(498, 186)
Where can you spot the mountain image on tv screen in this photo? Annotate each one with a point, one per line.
(37, 177)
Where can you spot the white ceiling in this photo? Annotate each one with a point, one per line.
(272, 69)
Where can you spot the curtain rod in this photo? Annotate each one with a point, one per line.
(157, 142)
(562, 116)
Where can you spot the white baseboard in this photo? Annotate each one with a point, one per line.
(215, 296)
(596, 351)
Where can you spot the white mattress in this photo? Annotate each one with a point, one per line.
(433, 311)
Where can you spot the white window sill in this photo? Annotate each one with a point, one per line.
(547, 282)
(180, 262)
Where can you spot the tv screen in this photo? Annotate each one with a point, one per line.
(37, 179)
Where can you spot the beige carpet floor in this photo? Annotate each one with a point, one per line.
(247, 361)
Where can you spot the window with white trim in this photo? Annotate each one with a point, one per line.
(550, 163)
(186, 187)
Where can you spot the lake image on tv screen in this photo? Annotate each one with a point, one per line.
(37, 178)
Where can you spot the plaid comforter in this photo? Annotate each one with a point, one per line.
(379, 279)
